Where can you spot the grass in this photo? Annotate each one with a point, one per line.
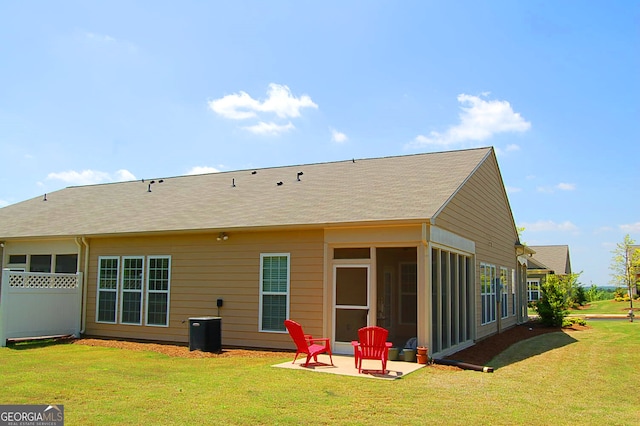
(586, 377)
(599, 307)
(606, 307)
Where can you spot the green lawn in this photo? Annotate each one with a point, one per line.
(585, 377)
(607, 307)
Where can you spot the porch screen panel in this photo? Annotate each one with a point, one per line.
(444, 293)
(435, 305)
(452, 285)
(107, 289)
(274, 291)
(158, 286)
(455, 307)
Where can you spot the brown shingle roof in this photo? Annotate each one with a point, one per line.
(555, 258)
(411, 187)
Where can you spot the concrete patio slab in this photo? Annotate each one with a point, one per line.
(345, 365)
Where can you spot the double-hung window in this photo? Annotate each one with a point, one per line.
(107, 289)
(274, 291)
(504, 291)
(488, 292)
(158, 290)
(130, 290)
(132, 280)
(533, 289)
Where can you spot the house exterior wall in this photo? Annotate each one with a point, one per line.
(480, 212)
(204, 269)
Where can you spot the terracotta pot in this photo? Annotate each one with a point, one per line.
(422, 350)
(422, 359)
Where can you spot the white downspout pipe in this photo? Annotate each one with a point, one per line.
(83, 324)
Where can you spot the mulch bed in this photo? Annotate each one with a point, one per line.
(479, 354)
(485, 350)
(180, 351)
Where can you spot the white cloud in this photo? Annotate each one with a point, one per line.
(631, 227)
(512, 189)
(603, 229)
(561, 186)
(104, 41)
(338, 137)
(263, 128)
(549, 225)
(101, 38)
(90, 177)
(201, 170)
(566, 186)
(512, 147)
(3, 203)
(280, 101)
(479, 120)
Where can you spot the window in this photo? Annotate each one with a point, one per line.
(132, 279)
(504, 292)
(513, 292)
(488, 292)
(20, 259)
(107, 289)
(66, 263)
(158, 290)
(533, 289)
(274, 291)
(121, 290)
(40, 263)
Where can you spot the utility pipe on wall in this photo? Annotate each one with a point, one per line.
(83, 321)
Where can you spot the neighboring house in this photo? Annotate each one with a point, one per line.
(424, 245)
(545, 260)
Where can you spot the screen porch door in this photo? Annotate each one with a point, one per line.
(351, 304)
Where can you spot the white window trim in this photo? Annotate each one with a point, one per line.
(529, 291)
(167, 292)
(123, 290)
(108, 290)
(513, 292)
(488, 308)
(263, 293)
(504, 294)
(145, 290)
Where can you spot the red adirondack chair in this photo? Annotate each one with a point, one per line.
(305, 343)
(372, 344)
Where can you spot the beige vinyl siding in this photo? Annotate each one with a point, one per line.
(480, 212)
(204, 269)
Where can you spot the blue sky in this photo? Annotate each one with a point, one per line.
(102, 91)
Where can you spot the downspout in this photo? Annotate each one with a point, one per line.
(83, 324)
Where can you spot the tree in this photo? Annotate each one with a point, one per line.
(625, 267)
(559, 293)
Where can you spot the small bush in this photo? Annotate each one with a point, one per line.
(568, 322)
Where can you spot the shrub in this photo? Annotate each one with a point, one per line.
(554, 303)
(568, 322)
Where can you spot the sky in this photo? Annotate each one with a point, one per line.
(104, 91)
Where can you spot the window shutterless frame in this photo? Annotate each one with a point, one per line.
(131, 285)
(275, 274)
(158, 291)
(107, 289)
